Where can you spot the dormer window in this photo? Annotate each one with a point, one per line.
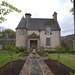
(22, 31)
(48, 29)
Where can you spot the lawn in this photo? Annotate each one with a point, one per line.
(67, 59)
(5, 58)
(3, 50)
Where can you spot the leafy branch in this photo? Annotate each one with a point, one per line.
(5, 9)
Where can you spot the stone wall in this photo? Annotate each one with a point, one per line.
(20, 39)
(55, 38)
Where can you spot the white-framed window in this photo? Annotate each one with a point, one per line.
(22, 31)
(47, 30)
(48, 42)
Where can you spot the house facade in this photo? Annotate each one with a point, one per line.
(38, 32)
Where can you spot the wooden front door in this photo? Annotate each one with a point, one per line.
(33, 44)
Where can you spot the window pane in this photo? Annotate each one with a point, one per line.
(47, 30)
(21, 31)
(47, 41)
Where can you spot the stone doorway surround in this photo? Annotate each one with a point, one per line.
(33, 37)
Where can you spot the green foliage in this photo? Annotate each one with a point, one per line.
(5, 9)
(72, 73)
(71, 51)
(19, 59)
(41, 52)
(10, 6)
(63, 44)
(71, 1)
(49, 58)
(72, 9)
(26, 52)
(73, 41)
(21, 49)
(60, 49)
(51, 51)
(16, 51)
(11, 33)
(9, 48)
(42, 48)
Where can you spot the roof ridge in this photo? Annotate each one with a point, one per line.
(43, 18)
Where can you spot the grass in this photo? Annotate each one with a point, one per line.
(1, 34)
(5, 58)
(2, 50)
(67, 59)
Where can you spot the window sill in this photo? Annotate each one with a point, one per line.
(21, 34)
(48, 34)
(48, 46)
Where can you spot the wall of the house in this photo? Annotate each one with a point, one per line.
(55, 38)
(20, 39)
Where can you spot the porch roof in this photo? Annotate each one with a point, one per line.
(33, 35)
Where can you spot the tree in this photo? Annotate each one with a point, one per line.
(8, 33)
(10, 49)
(11, 33)
(5, 9)
(72, 9)
(73, 12)
(59, 49)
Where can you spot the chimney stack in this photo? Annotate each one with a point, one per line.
(27, 15)
(55, 16)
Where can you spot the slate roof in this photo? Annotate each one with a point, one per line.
(38, 24)
(22, 23)
(70, 37)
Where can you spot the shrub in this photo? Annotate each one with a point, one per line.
(71, 51)
(41, 52)
(42, 48)
(21, 49)
(60, 49)
(50, 51)
(16, 51)
(26, 52)
(67, 49)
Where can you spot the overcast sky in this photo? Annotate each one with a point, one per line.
(42, 9)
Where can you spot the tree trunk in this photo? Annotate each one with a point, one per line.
(11, 60)
(58, 59)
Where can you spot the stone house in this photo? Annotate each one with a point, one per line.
(68, 41)
(38, 32)
(5, 41)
